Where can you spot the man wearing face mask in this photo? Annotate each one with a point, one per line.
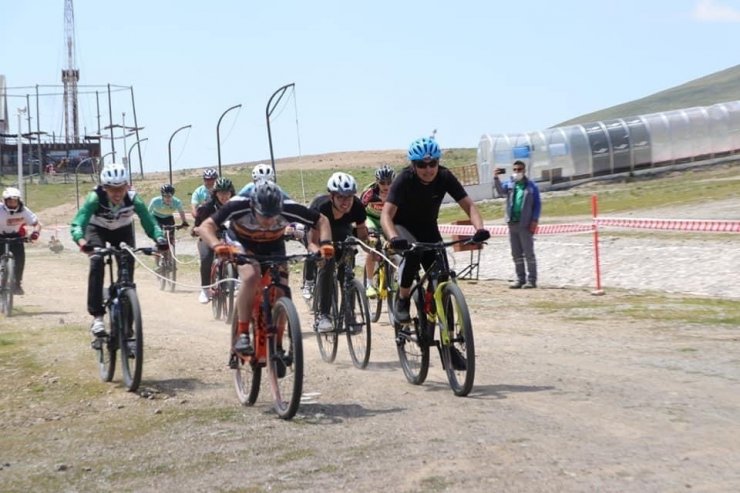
(523, 208)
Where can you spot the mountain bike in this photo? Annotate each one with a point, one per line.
(7, 273)
(436, 300)
(384, 279)
(166, 264)
(123, 323)
(276, 338)
(224, 284)
(350, 313)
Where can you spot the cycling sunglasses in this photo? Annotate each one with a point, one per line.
(426, 164)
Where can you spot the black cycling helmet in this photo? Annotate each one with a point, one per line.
(224, 184)
(210, 174)
(385, 173)
(267, 199)
(167, 189)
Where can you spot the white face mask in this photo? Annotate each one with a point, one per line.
(517, 176)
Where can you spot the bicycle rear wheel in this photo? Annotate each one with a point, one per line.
(105, 350)
(162, 271)
(171, 269)
(229, 288)
(412, 346)
(328, 340)
(357, 322)
(285, 359)
(131, 339)
(8, 283)
(247, 374)
(458, 356)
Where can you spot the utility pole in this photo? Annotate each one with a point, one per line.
(70, 76)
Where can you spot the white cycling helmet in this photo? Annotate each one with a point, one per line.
(263, 172)
(11, 193)
(341, 183)
(114, 175)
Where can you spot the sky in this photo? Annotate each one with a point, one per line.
(368, 75)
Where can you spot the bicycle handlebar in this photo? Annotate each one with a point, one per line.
(242, 258)
(117, 250)
(14, 239)
(438, 245)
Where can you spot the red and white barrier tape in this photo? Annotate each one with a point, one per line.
(694, 225)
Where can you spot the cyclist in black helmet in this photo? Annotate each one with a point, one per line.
(222, 191)
(164, 206)
(256, 225)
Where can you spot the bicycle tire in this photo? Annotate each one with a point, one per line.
(460, 366)
(328, 340)
(357, 324)
(247, 374)
(286, 369)
(230, 292)
(216, 287)
(171, 269)
(8, 286)
(376, 305)
(412, 346)
(131, 339)
(162, 271)
(106, 349)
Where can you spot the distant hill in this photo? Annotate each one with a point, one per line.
(714, 88)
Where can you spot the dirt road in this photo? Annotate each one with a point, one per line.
(573, 393)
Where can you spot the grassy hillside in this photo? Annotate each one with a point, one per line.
(714, 88)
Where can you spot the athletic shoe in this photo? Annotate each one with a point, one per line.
(324, 324)
(371, 292)
(203, 297)
(98, 327)
(516, 285)
(307, 290)
(402, 310)
(529, 285)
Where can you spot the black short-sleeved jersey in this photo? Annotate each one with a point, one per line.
(243, 223)
(418, 203)
(342, 227)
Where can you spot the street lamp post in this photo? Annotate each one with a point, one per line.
(218, 135)
(268, 112)
(77, 181)
(169, 147)
(21, 111)
(129, 159)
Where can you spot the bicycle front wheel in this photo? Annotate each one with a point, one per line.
(217, 300)
(171, 269)
(229, 292)
(412, 346)
(131, 339)
(247, 373)
(285, 359)
(8, 283)
(458, 352)
(375, 306)
(357, 321)
(105, 350)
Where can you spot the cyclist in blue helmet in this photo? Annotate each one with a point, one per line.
(412, 207)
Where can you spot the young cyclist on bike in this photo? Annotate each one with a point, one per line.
(203, 192)
(163, 209)
(14, 217)
(222, 191)
(344, 211)
(107, 216)
(373, 198)
(411, 209)
(256, 226)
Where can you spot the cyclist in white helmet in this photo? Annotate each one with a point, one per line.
(345, 213)
(260, 172)
(107, 216)
(14, 218)
(203, 192)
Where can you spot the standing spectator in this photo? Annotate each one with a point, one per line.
(523, 208)
(203, 192)
(14, 217)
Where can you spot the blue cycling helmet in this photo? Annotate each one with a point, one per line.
(424, 148)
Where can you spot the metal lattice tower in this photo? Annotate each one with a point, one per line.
(70, 76)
